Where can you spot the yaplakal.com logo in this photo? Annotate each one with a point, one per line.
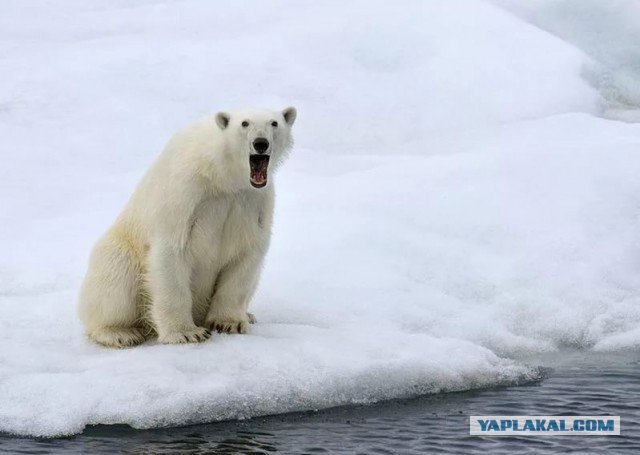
(544, 425)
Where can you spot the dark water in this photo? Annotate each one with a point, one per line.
(579, 384)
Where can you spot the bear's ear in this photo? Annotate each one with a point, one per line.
(290, 114)
(222, 119)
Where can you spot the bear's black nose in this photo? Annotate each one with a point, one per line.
(261, 145)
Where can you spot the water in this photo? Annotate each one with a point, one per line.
(575, 383)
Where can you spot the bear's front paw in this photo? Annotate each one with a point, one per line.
(241, 326)
(196, 335)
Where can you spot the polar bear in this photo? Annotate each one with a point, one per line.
(185, 255)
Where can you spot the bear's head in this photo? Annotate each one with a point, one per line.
(257, 139)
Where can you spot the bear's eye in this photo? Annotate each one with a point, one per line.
(274, 124)
(245, 124)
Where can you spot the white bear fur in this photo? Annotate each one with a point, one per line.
(185, 255)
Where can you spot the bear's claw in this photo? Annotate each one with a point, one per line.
(117, 337)
(197, 335)
(229, 326)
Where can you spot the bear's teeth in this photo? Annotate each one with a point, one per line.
(259, 165)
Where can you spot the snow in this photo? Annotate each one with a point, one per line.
(454, 203)
(606, 31)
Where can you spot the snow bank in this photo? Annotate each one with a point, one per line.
(526, 239)
(451, 203)
(607, 31)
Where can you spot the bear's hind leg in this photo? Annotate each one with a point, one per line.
(108, 300)
(114, 337)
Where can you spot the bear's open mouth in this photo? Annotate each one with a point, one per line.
(258, 164)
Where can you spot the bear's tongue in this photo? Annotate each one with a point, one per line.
(258, 164)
